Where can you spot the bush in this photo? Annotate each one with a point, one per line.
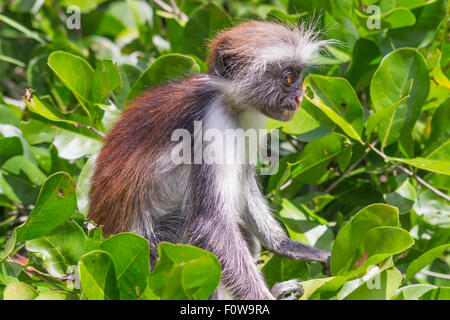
(365, 167)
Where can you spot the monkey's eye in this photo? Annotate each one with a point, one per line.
(288, 79)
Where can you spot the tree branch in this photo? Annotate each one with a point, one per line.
(409, 172)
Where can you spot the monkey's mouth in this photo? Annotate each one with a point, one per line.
(293, 105)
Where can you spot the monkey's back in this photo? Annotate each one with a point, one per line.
(126, 170)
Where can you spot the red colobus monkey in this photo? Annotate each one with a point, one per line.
(254, 72)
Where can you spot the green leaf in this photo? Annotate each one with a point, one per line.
(433, 209)
(10, 147)
(351, 236)
(441, 293)
(440, 130)
(84, 185)
(56, 203)
(303, 227)
(378, 284)
(45, 109)
(56, 295)
(424, 260)
(336, 98)
(36, 132)
(374, 119)
(403, 198)
(27, 32)
(184, 272)
(130, 255)
(19, 291)
(74, 72)
(366, 58)
(202, 25)
(97, 276)
(83, 5)
(106, 78)
(279, 269)
(438, 166)
(163, 69)
(421, 34)
(60, 249)
(412, 292)
(72, 145)
(318, 153)
(390, 83)
(301, 123)
(395, 18)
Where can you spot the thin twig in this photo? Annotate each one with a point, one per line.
(101, 134)
(41, 276)
(173, 8)
(409, 173)
(435, 274)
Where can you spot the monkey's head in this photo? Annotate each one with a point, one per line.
(260, 65)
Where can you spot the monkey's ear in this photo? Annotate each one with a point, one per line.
(220, 65)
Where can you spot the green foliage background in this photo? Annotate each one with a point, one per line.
(365, 167)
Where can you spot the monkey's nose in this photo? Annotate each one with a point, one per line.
(298, 99)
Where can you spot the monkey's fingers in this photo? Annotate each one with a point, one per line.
(287, 290)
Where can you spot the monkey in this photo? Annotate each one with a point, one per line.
(254, 73)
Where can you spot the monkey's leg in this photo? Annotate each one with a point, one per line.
(270, 233)
(213, 224)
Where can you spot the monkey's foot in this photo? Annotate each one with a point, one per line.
(287, 290)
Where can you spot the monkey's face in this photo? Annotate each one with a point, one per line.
(278, 92)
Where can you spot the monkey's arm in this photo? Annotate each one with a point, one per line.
(269, 232)
(213, 224)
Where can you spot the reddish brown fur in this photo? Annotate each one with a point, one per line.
(124, 164)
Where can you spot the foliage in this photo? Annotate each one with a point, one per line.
(365, 167)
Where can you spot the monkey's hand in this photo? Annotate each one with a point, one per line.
(287, 290)
(298, 251)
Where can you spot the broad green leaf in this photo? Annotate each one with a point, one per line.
(84, 185)
(97, 276)
(438, 166)
(421, 34)
(184, 272)
(395, 18)
(163, 69)
(10, 147)
(7, 116)
(374, 119)
(366, 58)
(436, 71)
(73, 146)
(440, 130)
(318, 153)
(279, 269)
(301, 123)
(440, 293)
(56, 295)
(378, 284)
(433, 209)
(303, 227)
(130, 255)
(56, 203)
(83, 5)
(21, 166)
(412, 292)
(348, 241)
(45, 109)
(129, 75)
(9, 247)
(35, 132)
(424, 260)
(390, 83)
(314, 288)
(106, 78)
(403, 198)
(202, 25)
(19, 291)
(60, 249)
(336, 98)
(74, 72)
(381, 243)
